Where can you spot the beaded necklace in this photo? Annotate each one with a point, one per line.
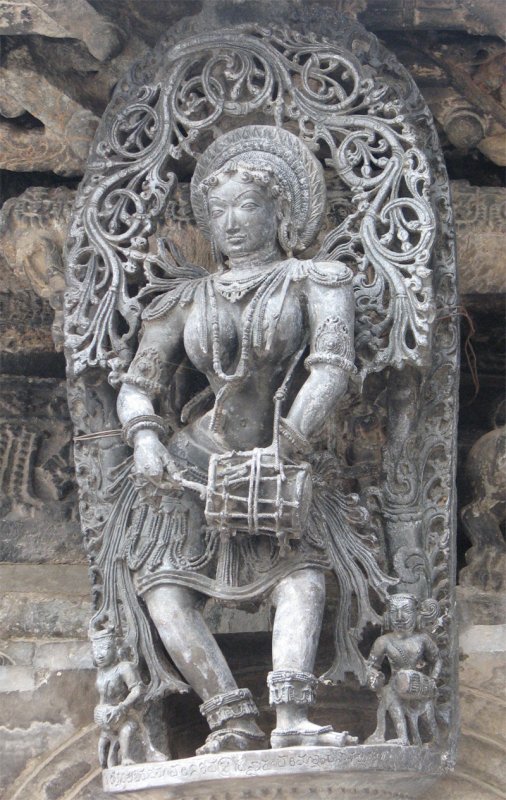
(267, 286)
(246, 338)
(235, 287)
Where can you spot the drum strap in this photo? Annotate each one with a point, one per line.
(404, 656)
(279, 398)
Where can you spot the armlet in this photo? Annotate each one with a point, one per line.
(333, 344)
(331, 273)
(333, 360)
(147, 371)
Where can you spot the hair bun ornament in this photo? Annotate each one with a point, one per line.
(297, 170)
(429, 612)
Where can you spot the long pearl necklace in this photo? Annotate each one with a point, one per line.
(246, 339)
(242, 368)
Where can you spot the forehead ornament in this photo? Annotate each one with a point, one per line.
(397, 600)
(280, 152)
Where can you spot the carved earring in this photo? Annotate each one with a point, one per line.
(287, 236)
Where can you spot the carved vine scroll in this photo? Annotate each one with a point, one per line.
(354, 123)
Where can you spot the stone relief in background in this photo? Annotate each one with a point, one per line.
(484, 517)
(480, 226)
(63, 143)
(464, 86)
(54, 19)
(36, 475)
(33, 229)
(308, 104)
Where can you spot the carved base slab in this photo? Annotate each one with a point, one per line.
(295, 772)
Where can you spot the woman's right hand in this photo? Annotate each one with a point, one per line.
(151, 458)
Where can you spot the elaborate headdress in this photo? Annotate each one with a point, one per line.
(428, 609)
(296, 169)
(401, 599)
(104, 634)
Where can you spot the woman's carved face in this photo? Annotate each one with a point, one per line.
(242, 216)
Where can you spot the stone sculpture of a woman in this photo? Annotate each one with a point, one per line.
(219, 442)
(259, 194)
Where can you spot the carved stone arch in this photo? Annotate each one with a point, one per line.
(360, 113)
(163, 117)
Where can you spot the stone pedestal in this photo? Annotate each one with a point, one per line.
(49, 744)
(379, 771)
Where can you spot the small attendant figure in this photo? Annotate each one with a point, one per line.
(415, 664)
(118, 713)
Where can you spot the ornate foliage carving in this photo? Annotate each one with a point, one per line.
(339, 112)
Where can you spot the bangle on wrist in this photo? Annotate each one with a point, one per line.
(144, 422)
(298, 442)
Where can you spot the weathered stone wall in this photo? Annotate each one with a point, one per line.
(59, 63)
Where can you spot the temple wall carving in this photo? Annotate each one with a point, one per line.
(59, 67)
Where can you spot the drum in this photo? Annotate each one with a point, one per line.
(247, 492)
(410, 684)
(102, 714)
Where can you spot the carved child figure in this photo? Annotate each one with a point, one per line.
(415, 665)
(121, 721)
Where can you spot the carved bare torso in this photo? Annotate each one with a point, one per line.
(413, 652)
(245, 344)
(247, 408)
(114, 683)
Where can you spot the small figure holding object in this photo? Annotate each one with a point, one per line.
(410, 693)
(120, 688)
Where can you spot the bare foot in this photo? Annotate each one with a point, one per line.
(156, 755)
(307, 734)
(240, 734)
